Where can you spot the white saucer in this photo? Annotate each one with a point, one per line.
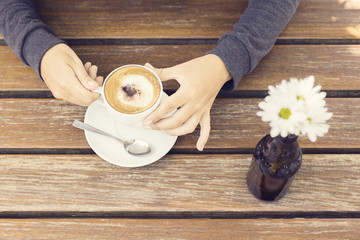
(111, 150)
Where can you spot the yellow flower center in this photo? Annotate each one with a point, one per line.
(285, 113)
(300, 98)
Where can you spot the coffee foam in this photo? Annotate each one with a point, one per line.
(132, 90)
(136, 91)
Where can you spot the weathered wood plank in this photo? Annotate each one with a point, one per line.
(46, 123)
(314, 19)
(175, 184)
(325, 19)
(180, 229)
(334, 67)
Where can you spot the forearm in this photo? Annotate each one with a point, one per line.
(253, 36)
(24, 32)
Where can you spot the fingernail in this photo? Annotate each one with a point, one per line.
(201, 147)
(147, 127)
(147, 122)
(149, 65)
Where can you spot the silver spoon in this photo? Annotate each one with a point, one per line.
(133, 146)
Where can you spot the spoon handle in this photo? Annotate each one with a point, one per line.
(84, 126)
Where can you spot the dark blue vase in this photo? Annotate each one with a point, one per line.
(274, 164)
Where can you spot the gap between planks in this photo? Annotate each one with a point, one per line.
(80, 151)
(233, 94)
(182, 215)
(192, 41)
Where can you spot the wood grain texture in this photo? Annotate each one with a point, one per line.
(177, 183)
(277, 229)
(141, 19)
(335, 67)
(190, 19)
(46, 124)
(339, 20)
(60, 185)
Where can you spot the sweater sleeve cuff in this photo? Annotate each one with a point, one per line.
(235, 57)
(37, 42)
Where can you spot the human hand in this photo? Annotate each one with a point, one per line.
(200, 81)
(67, 78)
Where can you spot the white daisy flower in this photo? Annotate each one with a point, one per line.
(315, 124)
(295, 107)
(282, 110)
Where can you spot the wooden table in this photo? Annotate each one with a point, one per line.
(53, 186)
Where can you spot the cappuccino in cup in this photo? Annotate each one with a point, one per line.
(132, 89)
(130, 93)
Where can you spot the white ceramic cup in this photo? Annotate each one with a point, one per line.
(133, 119)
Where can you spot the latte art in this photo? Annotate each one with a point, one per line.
(132, 90)
(136, 91)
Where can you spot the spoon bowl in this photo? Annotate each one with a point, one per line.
(133, 146)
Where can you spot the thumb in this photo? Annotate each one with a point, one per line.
(164, 73)
(84, 78)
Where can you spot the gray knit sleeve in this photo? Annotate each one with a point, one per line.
(253, 36)
(24, 32)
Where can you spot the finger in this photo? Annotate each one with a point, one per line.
(77, 94)
(172, 103)
(87, 66)
(84, 78)
(99, 80)
(204, 131)
(188, 127)
(164, 73)
(93, 71)
(181, 116)
(83, 99)
(74, 92)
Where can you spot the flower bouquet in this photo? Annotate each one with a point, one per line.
(292, 108)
